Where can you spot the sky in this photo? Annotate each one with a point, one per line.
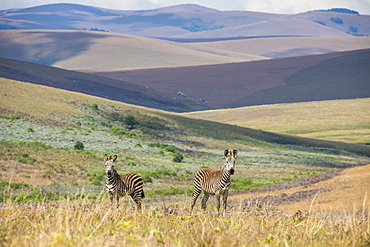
(268, 6)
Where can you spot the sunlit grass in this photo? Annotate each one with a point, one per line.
(96, 223)
(338, 120)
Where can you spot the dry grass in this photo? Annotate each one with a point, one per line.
(348, 192)
(338, 120)
(338, 218)
(97, 224)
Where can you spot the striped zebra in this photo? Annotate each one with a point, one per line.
(129, 184)
(214, 182)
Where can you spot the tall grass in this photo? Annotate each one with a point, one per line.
(96, 223)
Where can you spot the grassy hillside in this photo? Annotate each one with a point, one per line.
(337, 120)
(100, 124)
(60, 189)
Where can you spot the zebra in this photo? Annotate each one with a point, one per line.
(214, 182)
(129, 184)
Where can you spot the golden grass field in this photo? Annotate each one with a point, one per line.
(337, 120)
(339, 217)
(348, 192)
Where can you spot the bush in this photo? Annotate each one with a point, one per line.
(200, 28)
(130, 121)
(78, 146)
(336, 20)
(171, 149)
(178, 157)
(117, 131)
(353, 29)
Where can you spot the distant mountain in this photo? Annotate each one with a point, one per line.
(188, 21)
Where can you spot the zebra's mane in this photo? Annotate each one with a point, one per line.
(222, 166)
(115, 173)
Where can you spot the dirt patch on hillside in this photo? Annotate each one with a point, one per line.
(344, 189)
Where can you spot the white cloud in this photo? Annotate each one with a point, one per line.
(270, 6)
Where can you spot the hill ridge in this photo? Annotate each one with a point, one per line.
(185, 21)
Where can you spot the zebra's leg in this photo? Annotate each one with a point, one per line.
(117, 199)
(224, 201)
(218, 196)
(195, 196)
(204, 201)
(110, 197)
(137, 200)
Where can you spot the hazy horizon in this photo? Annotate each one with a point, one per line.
(268, 6)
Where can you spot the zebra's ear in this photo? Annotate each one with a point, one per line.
(226, 152)
(105, 157)
(114, 158)
(235, 152)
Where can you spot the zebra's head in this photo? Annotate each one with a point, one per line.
(230, 160)
(109, 163)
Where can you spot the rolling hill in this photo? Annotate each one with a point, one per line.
(83, 50)
(89, 51)
(340, 75)
(91, 84)
(54, 107)
(280, 47)
(188, 21)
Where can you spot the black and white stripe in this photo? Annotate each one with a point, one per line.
(129, 184)
(214, 182)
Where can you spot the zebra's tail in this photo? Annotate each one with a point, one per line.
(142, 194)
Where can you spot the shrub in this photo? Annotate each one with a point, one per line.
(78, 146)
(200, 28)
(130, 121)
(171, 149)
(336, 20)
(154, 144)
(353, 29)
(117, 131)
(178, 157)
